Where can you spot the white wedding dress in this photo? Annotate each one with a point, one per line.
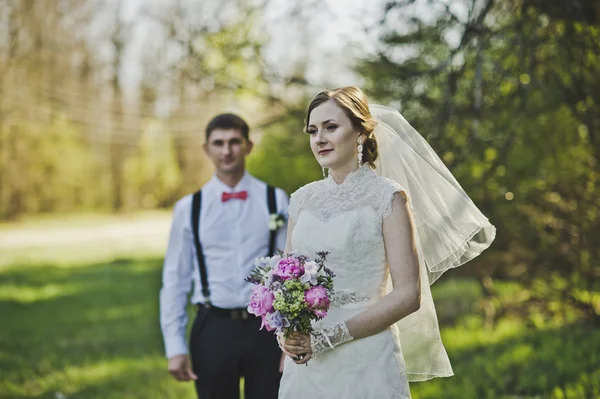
(346, 220)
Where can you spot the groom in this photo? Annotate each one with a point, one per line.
(215, 237)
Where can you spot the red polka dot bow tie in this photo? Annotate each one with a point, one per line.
(242, 195)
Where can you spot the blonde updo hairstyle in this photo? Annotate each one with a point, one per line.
(354, 103)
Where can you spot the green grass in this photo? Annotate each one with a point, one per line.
(512, 361)
(85, 325)
(92, 332)
(85, 332)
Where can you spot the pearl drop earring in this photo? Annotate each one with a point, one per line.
(360, 151)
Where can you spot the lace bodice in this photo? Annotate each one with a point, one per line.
(346, 220)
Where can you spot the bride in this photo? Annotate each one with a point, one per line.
(393, 219)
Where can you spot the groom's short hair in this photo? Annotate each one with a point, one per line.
(228, 121)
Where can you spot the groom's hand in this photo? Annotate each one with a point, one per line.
(179, 366)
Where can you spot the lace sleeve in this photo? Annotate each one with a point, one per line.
(298, 199)
(326, 338)
(388, 189)
(293, 207)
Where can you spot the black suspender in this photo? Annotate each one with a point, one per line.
(196, 207)
(272, 203)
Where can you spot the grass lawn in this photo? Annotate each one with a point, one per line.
(83, 332)
(89, 329)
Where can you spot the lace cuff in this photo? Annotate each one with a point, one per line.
(326, 338)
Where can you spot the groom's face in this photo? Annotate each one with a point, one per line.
(227, 149)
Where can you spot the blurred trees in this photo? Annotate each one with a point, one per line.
(284, 157)
(508, 93)
(80, 128)
(44, 164)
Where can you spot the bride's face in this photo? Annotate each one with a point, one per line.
(333, 139)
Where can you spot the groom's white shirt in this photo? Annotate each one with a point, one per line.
(233, 234)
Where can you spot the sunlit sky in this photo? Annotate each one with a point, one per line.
(325, 37)
(332, 32)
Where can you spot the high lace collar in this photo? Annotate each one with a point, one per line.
(353, 178)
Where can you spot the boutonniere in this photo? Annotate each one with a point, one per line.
(276, 221)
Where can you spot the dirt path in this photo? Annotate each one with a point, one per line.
(98, 236)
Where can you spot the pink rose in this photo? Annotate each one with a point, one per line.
(261, 301)
(288, 268)
(318, 300)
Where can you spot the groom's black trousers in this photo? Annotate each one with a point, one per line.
(225, 348)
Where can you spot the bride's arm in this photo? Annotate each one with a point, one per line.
(401, 250)
(288, 236)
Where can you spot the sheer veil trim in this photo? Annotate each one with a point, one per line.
(450, 231)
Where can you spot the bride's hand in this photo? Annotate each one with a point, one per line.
(296, 345)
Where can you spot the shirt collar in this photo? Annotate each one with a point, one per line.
(243, 184)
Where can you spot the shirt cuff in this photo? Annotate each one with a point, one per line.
(175, 346)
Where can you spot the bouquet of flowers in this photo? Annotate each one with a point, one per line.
(290, 292)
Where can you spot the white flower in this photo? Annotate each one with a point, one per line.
(276, 221)
(310, 273)
(261, 262)
(268, 278)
